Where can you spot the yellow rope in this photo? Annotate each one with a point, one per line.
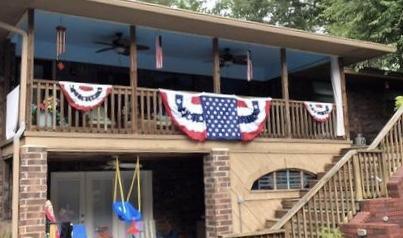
(136, 171)
(138, 184)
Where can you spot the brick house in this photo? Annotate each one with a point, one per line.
(193, 189)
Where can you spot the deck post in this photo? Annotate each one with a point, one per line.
(285, 92)
(216, 66)
(133, 77)
(344, 98)
(30, 66)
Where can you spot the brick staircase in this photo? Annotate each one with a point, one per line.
(382, 217)
(288, 203)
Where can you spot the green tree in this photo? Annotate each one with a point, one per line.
(374, 20)
(195, 5)
(300, 14)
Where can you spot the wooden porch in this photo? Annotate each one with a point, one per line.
(115, 115)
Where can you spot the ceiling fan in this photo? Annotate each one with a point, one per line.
(119, 44)
(228, 58)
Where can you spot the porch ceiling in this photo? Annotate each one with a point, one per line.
(136, 13)
(183, 53)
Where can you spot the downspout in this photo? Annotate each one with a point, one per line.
(21, 129)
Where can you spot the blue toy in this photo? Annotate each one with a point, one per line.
(123, 209)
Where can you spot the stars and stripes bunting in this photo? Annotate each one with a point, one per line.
(208, 116)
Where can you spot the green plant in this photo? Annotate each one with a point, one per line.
(330, 233)
(398, 102)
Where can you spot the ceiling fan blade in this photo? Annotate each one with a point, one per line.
(142, 47)
(103, 43)
(240, 59)
(104, 49)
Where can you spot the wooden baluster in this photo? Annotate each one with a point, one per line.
(76, 120)
(357, 195)
(62, 119)
(321, 205)
(98, 118)
(47, 88)
(38, 102)
(390, 152)
(304, 221)
(399, 141)
(299, 230)
(310, 221)
(304, 121)
(344, 196)
(396, 146)
(70, 117)
(293, 227)
(142, 110)
(127, 110)
(106, 114)
(280, 129)
(336, 198)
(316, 217)
(119, 116)
(149, 128)
(164, 125)
(357, 178)
(326, 201)
(54, 96)
(367, 176)
(113, 110)
(332, 203)
(157, 121)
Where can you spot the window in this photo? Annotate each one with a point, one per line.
(284, 179)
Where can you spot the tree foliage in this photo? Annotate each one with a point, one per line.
(290, 13)
(195, 5)
(373, 20)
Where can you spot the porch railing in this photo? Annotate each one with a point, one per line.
(115, 116)
(360, 174)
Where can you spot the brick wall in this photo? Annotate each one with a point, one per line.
(217, 193)
(33, 180)
(373, 211)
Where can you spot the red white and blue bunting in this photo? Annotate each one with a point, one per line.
(84, 96)
(208, 116)
(319, 111)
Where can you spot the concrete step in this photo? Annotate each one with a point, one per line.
(289, 203)
(279, 213)
(270, 222)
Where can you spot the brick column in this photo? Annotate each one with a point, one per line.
(33, 187)
(217, 193)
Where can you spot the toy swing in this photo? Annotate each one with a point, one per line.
(123, 209)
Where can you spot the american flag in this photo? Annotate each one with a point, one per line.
(159, 57)
(208, 116)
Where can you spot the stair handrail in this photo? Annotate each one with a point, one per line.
(349, 155)
(312, 192)
(386, 129)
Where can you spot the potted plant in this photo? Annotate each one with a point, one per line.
(45, 113)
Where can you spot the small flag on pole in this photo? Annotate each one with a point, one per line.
(158, 53)
(249, 66)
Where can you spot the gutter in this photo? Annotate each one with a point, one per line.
(21, 129)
